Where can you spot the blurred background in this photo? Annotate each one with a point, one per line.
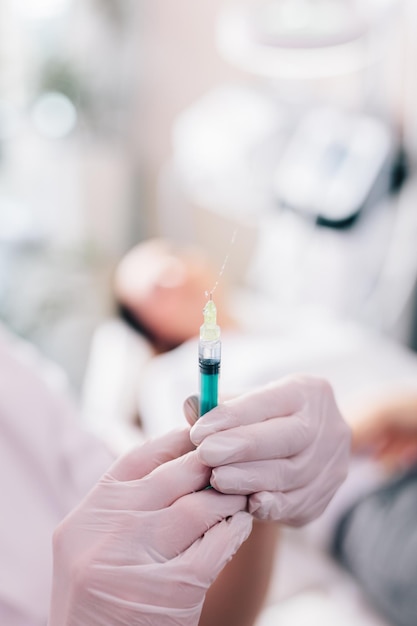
(289, 122)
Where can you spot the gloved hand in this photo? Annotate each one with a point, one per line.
(285, 445)
(145, 544)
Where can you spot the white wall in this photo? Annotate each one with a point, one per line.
(179, 62)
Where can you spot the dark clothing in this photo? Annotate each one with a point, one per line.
(377, 542)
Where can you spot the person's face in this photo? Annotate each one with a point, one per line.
(166, 289)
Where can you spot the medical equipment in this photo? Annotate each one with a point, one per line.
(209, 351)
(334, 164)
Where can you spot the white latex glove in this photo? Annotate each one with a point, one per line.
(146, 543)
(285, 445)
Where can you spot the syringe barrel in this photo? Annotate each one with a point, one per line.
(209, 351)
(209, 363)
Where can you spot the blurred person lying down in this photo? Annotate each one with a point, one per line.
(161, 289)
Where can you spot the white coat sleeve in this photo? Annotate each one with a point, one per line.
(47, 464)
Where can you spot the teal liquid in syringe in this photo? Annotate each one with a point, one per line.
(209, 355)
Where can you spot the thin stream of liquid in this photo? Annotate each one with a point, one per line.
(209, 294)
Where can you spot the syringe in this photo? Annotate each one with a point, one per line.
(209, 353)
